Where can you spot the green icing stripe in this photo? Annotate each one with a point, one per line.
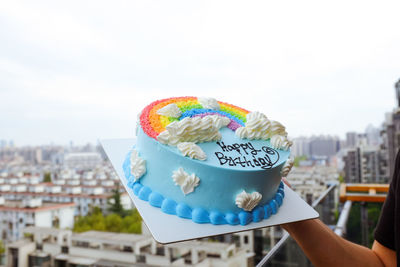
(171, 119)
(186, 108)
(240, 117)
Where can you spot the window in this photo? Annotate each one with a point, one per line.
(127, 249)
(64, 249)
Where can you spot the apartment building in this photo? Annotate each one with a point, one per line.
(16, 215)
(85, 193)
(59, 248)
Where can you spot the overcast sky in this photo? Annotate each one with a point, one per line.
(82, 70)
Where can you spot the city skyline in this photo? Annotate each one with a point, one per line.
(93, 143)
(83, 72)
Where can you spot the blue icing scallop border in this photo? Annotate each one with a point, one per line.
(200, 215)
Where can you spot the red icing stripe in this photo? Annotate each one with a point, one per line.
(144, 122)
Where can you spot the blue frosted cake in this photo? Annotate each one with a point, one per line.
(208, 161)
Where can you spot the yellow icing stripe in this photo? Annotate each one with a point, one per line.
(164, 120)
(184, 103)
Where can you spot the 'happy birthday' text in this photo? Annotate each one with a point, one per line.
(249, 156)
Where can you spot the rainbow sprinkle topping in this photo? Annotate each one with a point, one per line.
(153, 124)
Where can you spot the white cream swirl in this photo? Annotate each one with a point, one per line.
(187, 182)
(194, 130)
(137, 123)
(179, 176)
(257, 121)
(190, 183)
(192, 150)
(257, 126)
(170, 110)
(138, 165)
(280, 142)
(219, 121)
(248, 201)
(287, 167)
(277, 129)
(209, 103)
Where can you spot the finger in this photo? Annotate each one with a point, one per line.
(286, 182)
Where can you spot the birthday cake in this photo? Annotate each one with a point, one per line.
(208, 161)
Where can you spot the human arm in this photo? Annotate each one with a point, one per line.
(324, 248)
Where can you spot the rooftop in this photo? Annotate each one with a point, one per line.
(203, 245)
(109, 237)
(76, 260)
(103, 195)
(19, 243)
(44, 230)
(20, 206)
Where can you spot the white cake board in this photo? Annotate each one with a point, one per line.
(167, 228)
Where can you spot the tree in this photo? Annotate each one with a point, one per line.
(341, 178)
(95, 210)
(47, 177)
(353, 224)
(114, 202)
(113, 223)
(81, 226)
(354, 221)
(2, 249)
(298, 159)
(374, 211)
(96, 220)
(132, 223)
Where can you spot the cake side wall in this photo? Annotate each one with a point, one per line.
(218, 186)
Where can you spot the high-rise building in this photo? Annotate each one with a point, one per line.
(324, 146)
(301, 147)
(84, 159)
(3, 143)
(373, 135)
(397, 88)
(316, 146)
(351, 139)
(391, 133)
(363, 164)
(352, 166)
